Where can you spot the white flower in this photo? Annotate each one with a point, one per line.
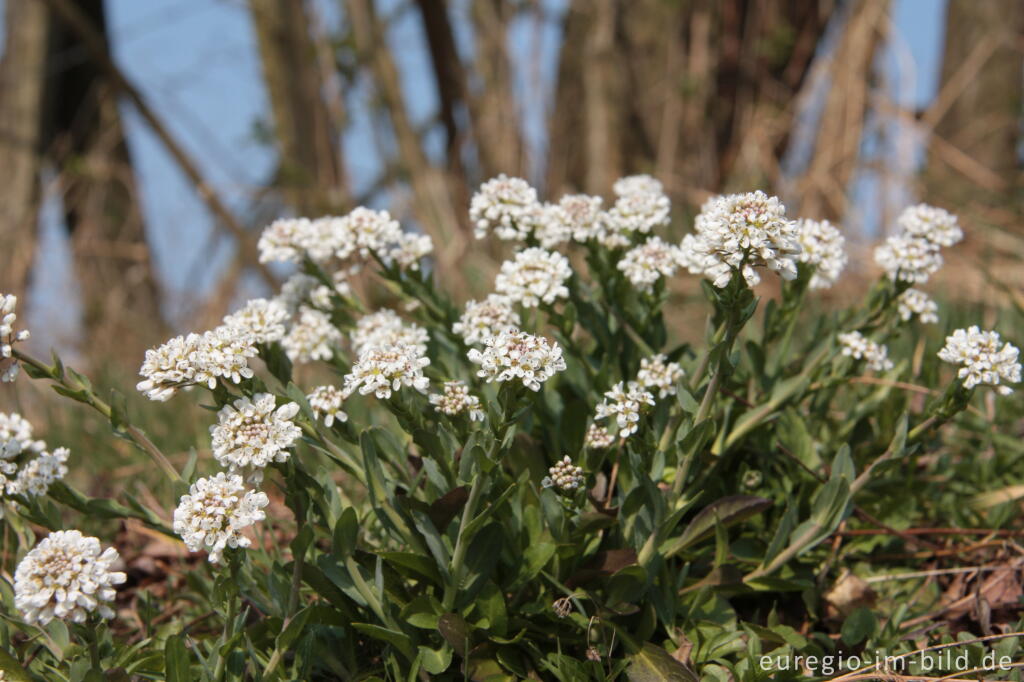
(16, 437)
(640, 212)
(932, 224)
(66, 576)
(386, 328)
(264, 319)
(486, 318)
(533, 277)
(646, 264)
(625, 403)
(381, 370)
(408, 249)
(326, 401)
(857, 346)
(8, 337)
(297, 291)
(565, 476)
(506, 206)
(285, 240)
(910, 259)
(598, 437)
(637, 184)
(822, 245)
(982, 358)
(742, 232)
(311, 338)
(581, 214)
(373, 231)
(253, 433)
(551, 229)
(214, 513)
(222, 353)
(36, 476)
(514, 354)
(915, 302)
(457, 399)
(656, 373)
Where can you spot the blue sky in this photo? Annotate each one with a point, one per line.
(197, 63)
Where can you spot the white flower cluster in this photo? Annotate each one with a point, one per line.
(625, 402)
(311, 337)
(214, 513)
(221, 353)
(640, 207)
(66, 576)
(565, 476)
(514, 354)
(575, 216)
(486, 318)
(859, 347)
(656, 373)
(913, 254)
(363, 231)
(263, 319)
(983, 357)
(822, 246)
(457, 399)
(506, 206)
(8, 337)
(742, 232)
(385, 328)
(914, 302)
(646, 264)
(253, 433)
(26, 467)
(535, 276)
(326, 402)
(383, 369)
(598, 438)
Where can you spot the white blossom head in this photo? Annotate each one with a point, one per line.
(8, 337)
(312, 337)
(644, 265)
(456, 399)
(934, 225)
(506, 206)
(408, 249)
(915, 303)
(67, 576)
(578, 215)
(326, 402)
(983, 358)
(859, 347)
(909, 259)
(564, 476)
(374, 231)
(486, 318)
(637, 184)
(743, 232)
(381, 370)
(637, 212)
(533, 277)
(215, 512)
(264, 319)
(386, 328)
(515, 355)
(26, 467)
(625, 403)
(823, 247)
(222, 353)
(252, 433)
(598, 438)
(656, 373)
(297, 291)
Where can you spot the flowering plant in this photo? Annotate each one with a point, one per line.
(538, 484)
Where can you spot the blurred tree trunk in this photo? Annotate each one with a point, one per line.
(85, 137)
(699, 92)
(311, 170)
(973, 158)
(22, 74)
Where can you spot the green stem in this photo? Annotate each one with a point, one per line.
(461, 543)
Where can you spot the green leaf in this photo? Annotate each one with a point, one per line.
(12, 669)
(654, 664)
(436, 662)
(859, 625)
(726, 512)
(176, 660)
